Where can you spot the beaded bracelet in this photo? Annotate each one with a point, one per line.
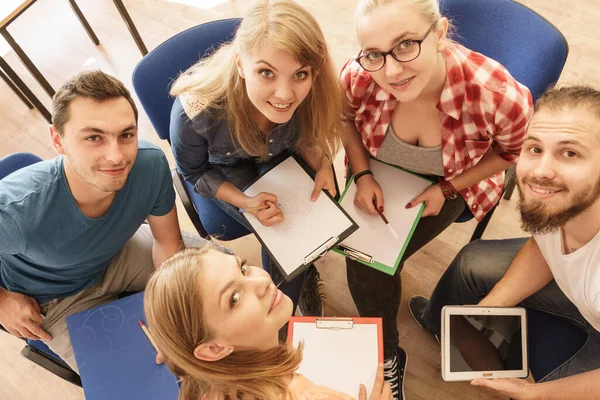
(362, 173)
(449, 191)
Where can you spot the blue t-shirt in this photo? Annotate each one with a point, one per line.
(49, 248)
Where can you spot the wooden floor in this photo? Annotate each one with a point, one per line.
(60, 48)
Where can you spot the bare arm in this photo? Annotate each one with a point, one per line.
(527, 274)
(356, 152)
(167, 236)
(367, 187)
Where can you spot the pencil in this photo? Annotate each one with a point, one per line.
(387, 223)
(148, 335)
(259, 208)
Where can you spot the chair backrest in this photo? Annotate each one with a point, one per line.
(16, 161)
(532, 49)
(12, 163)
(154, 74)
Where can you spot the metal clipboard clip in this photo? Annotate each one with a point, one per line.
(334, 323)
(321, 250)
(356, 255)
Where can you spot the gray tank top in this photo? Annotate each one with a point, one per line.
(421, 160)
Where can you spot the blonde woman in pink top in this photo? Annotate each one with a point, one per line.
(216, 321)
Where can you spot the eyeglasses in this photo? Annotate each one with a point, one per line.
(404, 51)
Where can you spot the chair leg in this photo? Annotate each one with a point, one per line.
(25, 90)
(510, 188)
(131, 26)
(15, 89)
(480, 228)
(188, 205)
(56, 367)
(27, 62)
(84, 22)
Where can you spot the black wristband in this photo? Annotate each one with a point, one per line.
(362, 173)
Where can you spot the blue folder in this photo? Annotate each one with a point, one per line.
(116, 360)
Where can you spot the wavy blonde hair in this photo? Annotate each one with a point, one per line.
(174, 309)
(284, 25)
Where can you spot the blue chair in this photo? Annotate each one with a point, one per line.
(551, 342)
(36, 350)
(532, 49)
(152, 80)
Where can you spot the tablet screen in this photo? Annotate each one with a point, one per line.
(485, 343)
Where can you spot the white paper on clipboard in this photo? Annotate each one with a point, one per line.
(307, 225)
(339, 358)
(373, 237)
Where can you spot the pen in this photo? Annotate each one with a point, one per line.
(148, 335)
(385, 220)
(259, 208)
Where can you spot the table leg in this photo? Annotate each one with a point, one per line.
(131, 26)
(25, 90)
(84, 22)
(27, 62)
(16, 90)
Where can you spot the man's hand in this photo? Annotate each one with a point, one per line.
(517, 389)
(20, 316)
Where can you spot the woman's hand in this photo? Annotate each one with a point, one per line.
(324, 180)
(264, 207)
(368, 192)
(432, 197)
(381, 390)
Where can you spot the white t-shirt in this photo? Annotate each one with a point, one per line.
(577, 274)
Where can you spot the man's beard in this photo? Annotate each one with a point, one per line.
(537, 219)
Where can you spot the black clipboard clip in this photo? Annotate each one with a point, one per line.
(334, 323)
(356, 255)
(321, 250)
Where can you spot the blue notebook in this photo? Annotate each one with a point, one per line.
(116, 360)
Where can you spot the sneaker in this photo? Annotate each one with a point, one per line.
(394, 369)
(416, 306)
(310, 303)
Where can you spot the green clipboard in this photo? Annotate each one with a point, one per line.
(367, 244)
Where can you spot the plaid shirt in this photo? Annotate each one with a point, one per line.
(481, 106)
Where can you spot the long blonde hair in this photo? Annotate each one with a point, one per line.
(174, 309)
(286, 26)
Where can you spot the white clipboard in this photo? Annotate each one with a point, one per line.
(339, 353)
(309, 230)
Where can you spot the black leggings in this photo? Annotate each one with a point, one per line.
(377, 294)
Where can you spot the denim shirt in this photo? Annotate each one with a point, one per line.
(205, 154)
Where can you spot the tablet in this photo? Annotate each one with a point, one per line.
(484, 342)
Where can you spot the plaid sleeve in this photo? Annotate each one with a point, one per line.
(513, 112)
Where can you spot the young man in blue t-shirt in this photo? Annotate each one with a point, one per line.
(71, 228)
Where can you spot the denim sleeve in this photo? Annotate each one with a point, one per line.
(190, 148)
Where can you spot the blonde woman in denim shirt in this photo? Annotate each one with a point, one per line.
(272, 90)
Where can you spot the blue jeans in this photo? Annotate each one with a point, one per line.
(473, 274)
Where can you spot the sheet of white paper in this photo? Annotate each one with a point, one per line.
(373, 237)
(307, 225)
(338, 359)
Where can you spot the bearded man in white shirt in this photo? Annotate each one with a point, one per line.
(557, 269)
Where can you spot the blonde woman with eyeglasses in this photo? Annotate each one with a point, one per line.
(431, 106)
